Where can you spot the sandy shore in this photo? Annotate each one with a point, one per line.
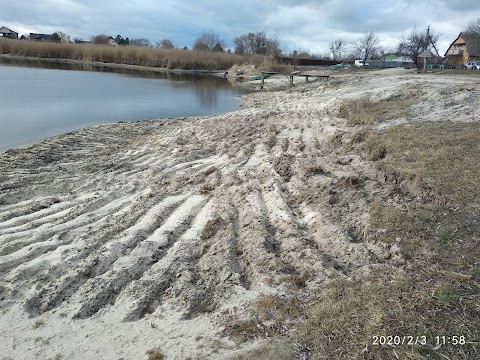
(121, 238)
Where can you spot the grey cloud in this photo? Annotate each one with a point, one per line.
(310, 23)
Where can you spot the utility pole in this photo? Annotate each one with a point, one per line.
(430, 40)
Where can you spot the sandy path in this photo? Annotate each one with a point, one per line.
(120, 238)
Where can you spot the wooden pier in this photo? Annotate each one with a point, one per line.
(290, 76)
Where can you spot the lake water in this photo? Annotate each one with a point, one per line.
(39, 99)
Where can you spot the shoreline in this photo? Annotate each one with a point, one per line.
(160, 234)
(133, 68)
(117, 66)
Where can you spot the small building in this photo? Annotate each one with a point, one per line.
(41, 37)
(390, 57)
(291, 60)
(112, 41)
(80, 41)
(7, 33)
(404, 61)
(393, 62)
(465, 48)
(427, 59)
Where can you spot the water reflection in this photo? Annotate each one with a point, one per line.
(206, 87)
(38, 101)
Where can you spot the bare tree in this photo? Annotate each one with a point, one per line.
(301, 54)
(338, 49)
(165, 44)
(64, 37)
(100, 39)
(143, 42)
(257, 43)
(56, 37)
(207, 41)
(474, 26)
(200, 46)
(322, 56)
(417, 42)
(367, 46)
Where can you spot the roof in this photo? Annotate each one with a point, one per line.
(472, 43)
(403, 59)
(426, 54)
(5, 30)
(390, 57)
(40, 36)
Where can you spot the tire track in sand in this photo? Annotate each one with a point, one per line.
(99, 261)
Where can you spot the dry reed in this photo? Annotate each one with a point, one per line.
(133, 55)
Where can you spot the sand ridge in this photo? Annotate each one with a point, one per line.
(120, 238)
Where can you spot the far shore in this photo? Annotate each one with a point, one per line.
(219, 72)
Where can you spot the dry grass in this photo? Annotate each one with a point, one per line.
(155, 354)
(344, 321)
(345, 318)
(270, 315)
(456, 72)
(438, 294)
(273, 349)
(38, 324)
(363, 112)
(435, 294)
(133, 55)
(441, 160)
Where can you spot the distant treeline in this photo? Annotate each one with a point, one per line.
(134, 55)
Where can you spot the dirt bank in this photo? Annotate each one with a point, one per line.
(122, 238)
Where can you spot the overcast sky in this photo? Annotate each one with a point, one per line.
(300, 25)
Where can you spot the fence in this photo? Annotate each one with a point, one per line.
(390, 64)
(306, 62)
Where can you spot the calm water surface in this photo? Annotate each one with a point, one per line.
(39, 100)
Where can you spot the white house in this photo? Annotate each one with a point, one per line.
(112, 42)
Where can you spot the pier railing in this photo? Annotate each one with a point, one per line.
(290, 77)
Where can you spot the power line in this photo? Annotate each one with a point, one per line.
(446, 32)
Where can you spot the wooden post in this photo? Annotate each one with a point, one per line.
(306, 78)
(425, 55)
(291, 80)
(263, 80)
